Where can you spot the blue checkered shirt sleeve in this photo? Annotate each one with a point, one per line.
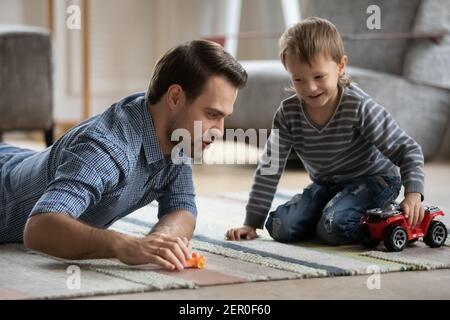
(87, 170)
(180, 193)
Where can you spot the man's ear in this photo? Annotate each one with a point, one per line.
(342, 64)
(175, 96)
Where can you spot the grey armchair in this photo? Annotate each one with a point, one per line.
(411, 78)
(26, 97)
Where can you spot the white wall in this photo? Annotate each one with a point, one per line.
(127, 37)
(126, 41)
(27, 12)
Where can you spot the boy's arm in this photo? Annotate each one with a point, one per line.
(269, 170)
(378, 127)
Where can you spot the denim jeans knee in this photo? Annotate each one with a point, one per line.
(340, 220)
(390, 190)
(296, 219)
(339, 228)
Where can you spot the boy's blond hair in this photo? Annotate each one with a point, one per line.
(310, 37)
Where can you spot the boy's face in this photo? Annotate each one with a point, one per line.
(315, 84)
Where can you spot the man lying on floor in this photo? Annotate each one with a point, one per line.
(61, 200)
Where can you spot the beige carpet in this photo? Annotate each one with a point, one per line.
(28, 275)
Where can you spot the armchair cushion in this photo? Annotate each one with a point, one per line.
(25, 78)
(350, 17)
(427, 62)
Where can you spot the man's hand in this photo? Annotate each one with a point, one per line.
(59, 235)
(167, 251)
(412, 208)
(244, 232)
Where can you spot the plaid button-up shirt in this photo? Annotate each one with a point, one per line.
(98, 172)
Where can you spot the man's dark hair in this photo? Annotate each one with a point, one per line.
(190, 65)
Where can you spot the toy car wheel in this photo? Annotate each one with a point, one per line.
(396, 239)
(436, 234)
(366, 238)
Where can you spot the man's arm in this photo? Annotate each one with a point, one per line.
(177, 224)
(62, 236)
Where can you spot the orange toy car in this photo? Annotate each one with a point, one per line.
(196, 261)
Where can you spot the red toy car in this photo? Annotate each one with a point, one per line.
(391, 226)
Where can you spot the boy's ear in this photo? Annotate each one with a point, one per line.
(342, 64)
(175, 96)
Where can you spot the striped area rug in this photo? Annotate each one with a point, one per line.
(304, 260)
(29, 275)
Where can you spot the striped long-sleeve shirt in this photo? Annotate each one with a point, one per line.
(360, 139)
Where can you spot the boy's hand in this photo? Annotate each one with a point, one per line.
(412, 208)
(244, 232)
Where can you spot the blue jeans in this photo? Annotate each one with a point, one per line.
(331, 211)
